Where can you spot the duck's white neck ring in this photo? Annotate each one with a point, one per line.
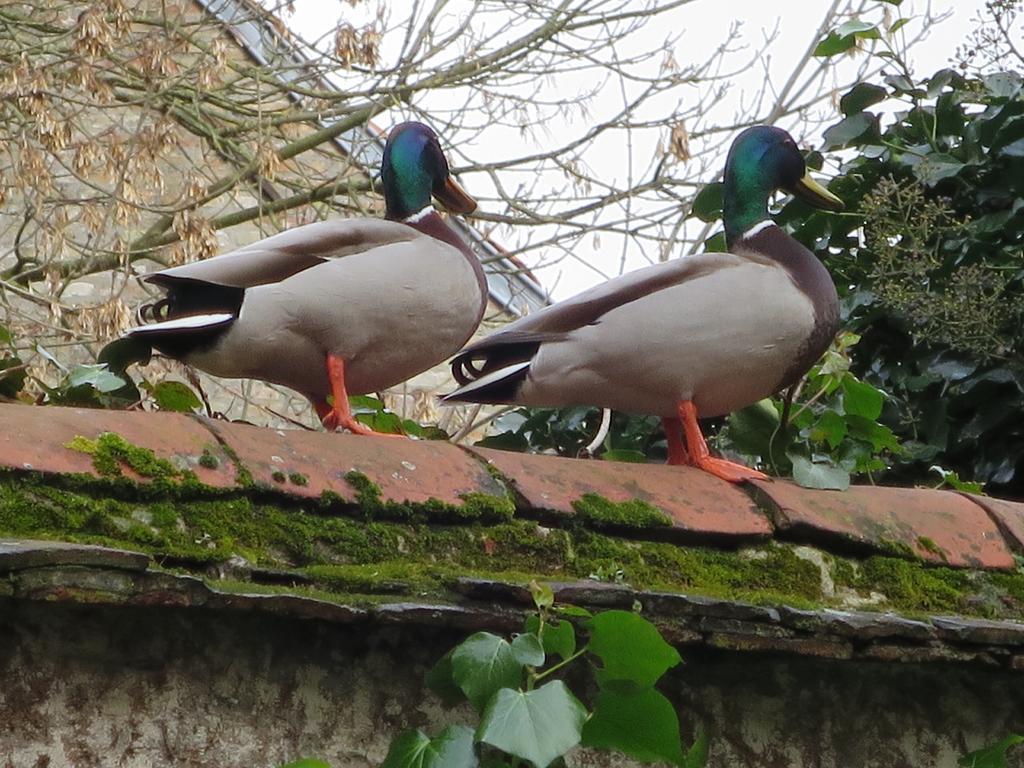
(420, 215)
(757, 228)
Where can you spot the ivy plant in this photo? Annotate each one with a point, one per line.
(527, 713)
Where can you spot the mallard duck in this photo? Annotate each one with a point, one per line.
(702, 335)
(336, 307)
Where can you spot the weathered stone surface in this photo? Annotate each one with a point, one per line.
(453, 616)
(294, 606)
(820, 647)
(108, 585)
(697, 504)
(739, 627)
(594, 593)
(697, 605)
(16, 554)
(38, 438)
(936, 526)
(306, 464)
(862, 625)
(918, 654)
(489, 589)
(981, 631)
(1009, 515)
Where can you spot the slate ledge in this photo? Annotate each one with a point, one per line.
(55, 572)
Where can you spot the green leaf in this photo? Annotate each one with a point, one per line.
(528, 650)
(175, 396)
(12, 376)
(934, 168)
(861, 399)
(384, 422)
(574, 610)
(307, 762)
(898, 25)
(861, 29)
(751, 429)
(707, 205)
(809, 474)
(861, 96)
(5, 336)
(482, 664)
(848, 130)
(364, 404)
(440, 680)
(830, 428)
(716, 243)
(96, 376)
(453, 748)
(834, 44)
(630, 648)
(558, 638)
(697, 756)
(538, 726)
(542, 595)
(643, 724)
(993, 756)
(1003, 85)
(623, 454)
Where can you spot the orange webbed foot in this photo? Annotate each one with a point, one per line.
(697, 449)
(339, 415)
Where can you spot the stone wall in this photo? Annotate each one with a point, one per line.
(149, 687)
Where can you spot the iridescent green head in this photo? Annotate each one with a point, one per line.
(414, 168)
(761, 160)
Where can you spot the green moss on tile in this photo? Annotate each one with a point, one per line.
(208, 460)
(278, 476)
(603, 513)
(297, 478)
(929, 545)
(422, 553)
(475, 505)
(110, 451)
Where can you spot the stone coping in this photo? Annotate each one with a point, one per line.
(63, 572)
(646, 501)
(352, 529)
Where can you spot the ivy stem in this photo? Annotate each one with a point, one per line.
(541, 675)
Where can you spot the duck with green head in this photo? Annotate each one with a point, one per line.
(703, 335)
(336, 307)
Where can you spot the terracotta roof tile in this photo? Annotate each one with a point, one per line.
(694, 502)
(937, 526)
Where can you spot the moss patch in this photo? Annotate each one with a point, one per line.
(419, 554)
(110, 452)
(602, 512)
(475, 506)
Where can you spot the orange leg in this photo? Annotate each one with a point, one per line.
(340, 415)
(701, 458)
(677, 453)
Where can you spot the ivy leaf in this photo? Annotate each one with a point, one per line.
(898, 25)
(862, 96)
(991, 757)
(538, 726)
(542, 595)
(830, 428)
(5, 336)
(716, 243)
(307, 762)
(934, 168)
(751, 429)
(860, 29)
(175, 396)
(440, 680)
(809, 474)
(707, 205)
(95, 376)
(528, 650)
(697, 756)
(848, 130)
(12, 376)
(861, 399)
(630, 648)
(453, 748)
(482, 664)
(559, 637)
(834, 44)
(643, 724)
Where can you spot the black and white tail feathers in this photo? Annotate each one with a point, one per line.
(492, 370)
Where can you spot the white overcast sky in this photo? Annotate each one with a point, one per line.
(706, 23)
